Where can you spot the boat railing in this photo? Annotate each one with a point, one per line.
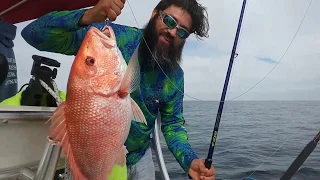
(156, 146)
(49, 161)
(10, 116)
(15, 114)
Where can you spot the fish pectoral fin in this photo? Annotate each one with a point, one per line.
(57, 129)
(58, 134)
(121, 158)
(131, 79)
(137, 113)
(56, 113)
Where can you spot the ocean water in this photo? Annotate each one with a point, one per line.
(249, 135)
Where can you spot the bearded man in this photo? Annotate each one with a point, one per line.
(159, 46)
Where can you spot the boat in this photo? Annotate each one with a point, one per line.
(26, 153)
(25, 150)
(23, 140)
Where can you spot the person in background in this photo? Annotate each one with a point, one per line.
(159, 46)
(10, 85)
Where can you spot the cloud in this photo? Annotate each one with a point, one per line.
(268, 28)
(267, 60)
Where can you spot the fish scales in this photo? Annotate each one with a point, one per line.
(94, 121)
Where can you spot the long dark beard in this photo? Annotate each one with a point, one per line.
(168, 57)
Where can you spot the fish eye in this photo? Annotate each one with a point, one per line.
(90, 61)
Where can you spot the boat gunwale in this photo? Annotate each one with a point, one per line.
(25, 113)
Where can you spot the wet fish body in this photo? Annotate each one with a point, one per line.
(94, 121)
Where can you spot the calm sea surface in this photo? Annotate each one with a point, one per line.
(249, 133)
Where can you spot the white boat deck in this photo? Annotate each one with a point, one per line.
(23, 136)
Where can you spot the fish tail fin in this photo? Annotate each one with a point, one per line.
(131, 79)
(137, 113)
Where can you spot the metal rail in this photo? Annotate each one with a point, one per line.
(12, 7)
(25, 113)
(46, 168)
(156, 146)
(48, 163)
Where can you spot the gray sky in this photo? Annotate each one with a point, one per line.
(267, 30)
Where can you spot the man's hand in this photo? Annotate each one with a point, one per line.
(198, 171)
(101, 11)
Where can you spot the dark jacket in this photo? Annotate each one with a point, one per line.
(7, 34)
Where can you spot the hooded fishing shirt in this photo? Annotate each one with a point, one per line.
(7, 34)
(59, 32)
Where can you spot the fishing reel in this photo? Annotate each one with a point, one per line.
(42, 76)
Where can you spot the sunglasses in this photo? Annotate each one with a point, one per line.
(171, 23)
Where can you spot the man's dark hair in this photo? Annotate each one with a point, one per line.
(198, 13)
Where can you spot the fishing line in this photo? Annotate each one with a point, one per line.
(269, 73)
(280, 58)
(277, 149)
(156, 58)
(231, 75)
(238, 45)
(208, 160)
(301, 158)
(235, 60)
(266, 76)
(229, 85)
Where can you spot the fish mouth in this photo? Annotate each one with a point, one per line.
(106, 35)
(108, 31)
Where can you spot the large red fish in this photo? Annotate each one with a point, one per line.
(94, 121)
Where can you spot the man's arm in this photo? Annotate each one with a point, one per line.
(61, 32)
(172, 126)
(57, 32)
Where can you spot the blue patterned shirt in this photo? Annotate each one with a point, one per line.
(59, 32)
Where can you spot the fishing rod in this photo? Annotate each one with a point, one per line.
(296, 164)
(208, 160)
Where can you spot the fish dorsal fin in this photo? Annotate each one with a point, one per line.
(131, 79)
